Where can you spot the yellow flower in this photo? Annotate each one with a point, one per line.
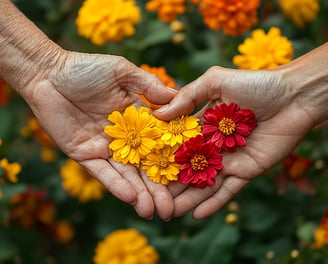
(264, 51)
(125, 246)
(79, 183)
(300, 11)
(320, 237)
(160, 165)
(135, 134)
(11, 170)
(107, 20)
(179, 130)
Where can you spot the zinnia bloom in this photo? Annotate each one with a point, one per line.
(160, 165)
(161, 73)
(107, 20)
(300, 11)
(79, 183)
(264, 51)
(4, 93)
(10, 170)
(125, 246)
(228, 125)
(321, 233)
(179, 130)
(235, 17)
(294, 171)
(31, 208)
(168, 10)
(135, 134)
(200, 162)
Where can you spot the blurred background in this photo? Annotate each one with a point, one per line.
(52, 211)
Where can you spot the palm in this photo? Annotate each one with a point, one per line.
(73, 105)
(281, 126)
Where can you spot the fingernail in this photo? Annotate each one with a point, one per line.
(163, 109)
(171, 89)
(150, 218)
(166, 220)
(134, 202)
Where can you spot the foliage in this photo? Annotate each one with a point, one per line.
(267, 228)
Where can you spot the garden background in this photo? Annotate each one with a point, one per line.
(42, 220)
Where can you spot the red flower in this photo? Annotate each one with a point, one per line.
(228, 125)
(324, 220)
(294, 171)
(201, 162)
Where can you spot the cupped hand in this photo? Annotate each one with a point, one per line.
(72, 101)
(282, 124)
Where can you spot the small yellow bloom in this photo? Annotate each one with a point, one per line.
(11, 169)
(63, 231)
(135, 134)
(107, 20)
(125, 246)
(300, 11)
(179, 130)
(320, 237)
(264, 51)
(79, 183)
(160, 165)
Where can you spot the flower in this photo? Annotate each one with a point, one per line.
(33, 129)
(79, 183)
(63, 231)
(321, 233)
(135, 134)
(264, 51)
(168, 10)
(125, 246)
(4, 93)
(161, 73)
(235, 17)
(160, 165)
(10, 170)
(31, 208)
(104, 20)
(294, 171)
(300, 11)
(200, 162)
(228, 125)
(179, 130)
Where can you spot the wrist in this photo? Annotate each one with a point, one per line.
(307, 79)
(27, 54)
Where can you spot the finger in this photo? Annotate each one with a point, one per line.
(151, 87)
(144, 205)
(230, 187)
(176, 188)
(162, 198)
(192, 197)
(111, 179)
(190, 96)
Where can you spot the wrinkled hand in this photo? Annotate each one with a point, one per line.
(72, 103)
(282, 124)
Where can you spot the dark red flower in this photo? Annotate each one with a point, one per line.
(200, 162)
(294, 171)
(324, 220)
(228, 125)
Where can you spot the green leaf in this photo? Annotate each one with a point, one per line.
(305, 232)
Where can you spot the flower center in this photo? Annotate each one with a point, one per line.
(198, 162)
(163, 162)
(227, 126)
(176, 126)
(133, 138)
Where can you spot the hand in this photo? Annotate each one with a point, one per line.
(72, 101)
(282, 124)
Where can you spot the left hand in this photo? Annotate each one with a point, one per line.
(72, 101)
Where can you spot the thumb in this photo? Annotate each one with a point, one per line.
(189, 98)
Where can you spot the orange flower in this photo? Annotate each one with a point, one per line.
(161, 73)
(235, 17)
(294, 171)
(168, 10)
(63, 231)
(321, 233)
